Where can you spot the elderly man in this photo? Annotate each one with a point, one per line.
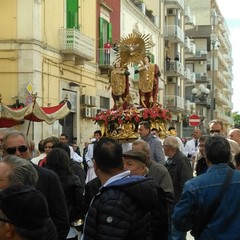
(177, 164)
(205, 207)
(215, 128)
(15, 143)
(144, 130)
(180, 170)
(15, 170)
(137, 162)
(234, 134)
(157, 171)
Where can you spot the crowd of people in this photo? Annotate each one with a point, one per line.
(154, 189)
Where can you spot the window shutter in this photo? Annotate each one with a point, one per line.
(72, 14)
(101, 32)
(109, 32)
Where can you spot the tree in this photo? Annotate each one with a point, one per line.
(236, 119)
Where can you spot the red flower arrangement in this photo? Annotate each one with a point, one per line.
(132, 115)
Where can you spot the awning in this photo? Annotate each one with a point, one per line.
(33, 112)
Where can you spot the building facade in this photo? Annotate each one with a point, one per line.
(60, 55)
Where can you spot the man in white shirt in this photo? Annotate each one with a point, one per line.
(191, 146)
(42, 153)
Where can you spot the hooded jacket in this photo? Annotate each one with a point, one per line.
(121, 210)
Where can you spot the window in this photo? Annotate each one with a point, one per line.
(104, 102)
(105, 33)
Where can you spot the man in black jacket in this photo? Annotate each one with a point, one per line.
(121, 209)
(15, 143)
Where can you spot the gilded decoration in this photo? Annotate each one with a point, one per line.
(123, 124)
(146, 79)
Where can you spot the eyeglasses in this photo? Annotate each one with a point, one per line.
(214, 131)
(12, 150)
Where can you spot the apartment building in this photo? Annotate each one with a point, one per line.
(211, 63)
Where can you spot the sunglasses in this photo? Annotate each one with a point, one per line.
(12, 150)
(4, 220)
(214, 131)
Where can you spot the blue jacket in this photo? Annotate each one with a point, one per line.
(198, 196)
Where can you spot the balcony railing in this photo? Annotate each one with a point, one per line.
(201, 77)
(174, 68)
(187, 106)
(174, 102)
(174, 32)
(72, 41)
(105, 58)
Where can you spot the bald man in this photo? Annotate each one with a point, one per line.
(234, 134)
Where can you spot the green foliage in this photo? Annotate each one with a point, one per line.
(236, 119)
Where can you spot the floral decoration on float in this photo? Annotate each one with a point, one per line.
(122, 124)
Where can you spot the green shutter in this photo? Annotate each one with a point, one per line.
(109, 33)
(72, 14)
(101, 20)
(101, 53)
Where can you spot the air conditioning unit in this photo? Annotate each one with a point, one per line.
(86, 112)
(200, 62)
(171, 80)
(171, 11)
(93, 101)
(94, 112)
(85, 100)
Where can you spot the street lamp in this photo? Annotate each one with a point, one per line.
(214, 42)
(200, 93)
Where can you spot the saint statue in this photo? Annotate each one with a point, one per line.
(119, 82)
(148, 82)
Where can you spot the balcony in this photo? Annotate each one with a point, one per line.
(148, 12)
(190, 77)
(174, 103)
(174, 4)
(174, 68)
(190, 19)
(201, 77)
(228, 58)
(187, 106)
(76, 46)
(174, 34)
(200, 55)
(105, 60)
(190, 50)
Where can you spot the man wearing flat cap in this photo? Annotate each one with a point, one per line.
(136, 162)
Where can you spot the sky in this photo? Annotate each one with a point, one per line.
(230, 12)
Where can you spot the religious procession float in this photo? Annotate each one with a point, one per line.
(121, 122)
